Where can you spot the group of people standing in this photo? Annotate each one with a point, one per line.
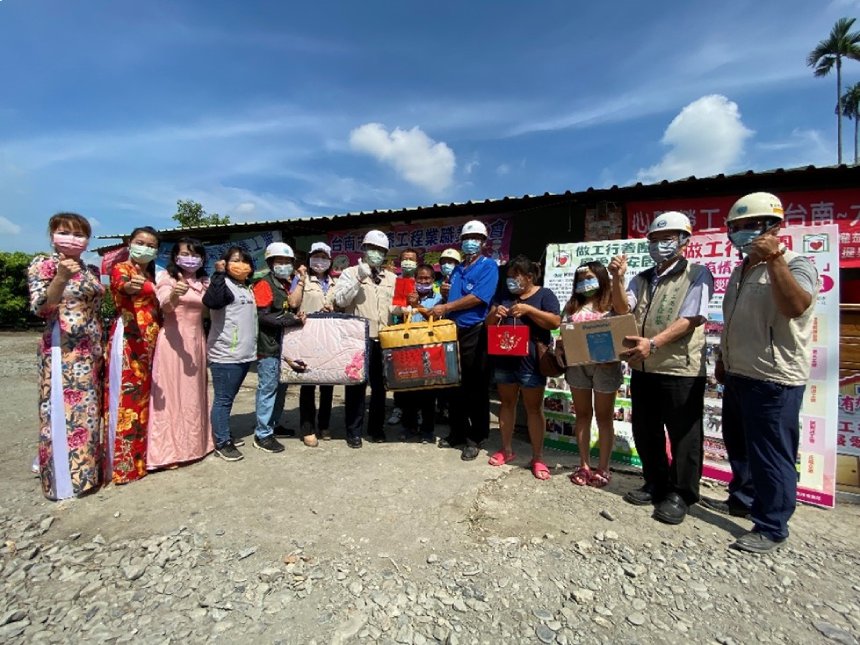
(114, 412)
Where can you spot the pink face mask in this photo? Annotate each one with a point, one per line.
(69, 244)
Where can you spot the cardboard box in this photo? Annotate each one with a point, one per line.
(597, 341)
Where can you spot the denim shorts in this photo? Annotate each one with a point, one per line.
(523, 378)
(601, 377)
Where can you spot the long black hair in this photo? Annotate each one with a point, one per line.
(196, 246)
(150, 268)
(604, 293)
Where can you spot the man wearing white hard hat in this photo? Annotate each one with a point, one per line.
(367, 290)
(473, 285)
(449, 259)
(274, 301)
(765, 361)
(670, 304)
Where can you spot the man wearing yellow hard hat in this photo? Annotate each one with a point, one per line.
(764, 364)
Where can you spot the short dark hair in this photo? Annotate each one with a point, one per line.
(426, 267)
(246, 257)
(409, 249)
(522, 265)
(196, 246)
(72, 220)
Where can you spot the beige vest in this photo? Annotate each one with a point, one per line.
(655, 312)
(758, 341)
(313, 296)
(372, 301)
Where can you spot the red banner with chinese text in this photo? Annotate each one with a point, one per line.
(809, 208)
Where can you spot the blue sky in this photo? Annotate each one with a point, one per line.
(261, 110)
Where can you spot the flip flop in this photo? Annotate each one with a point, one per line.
(581, 476)
(540, 470)
(499, 459)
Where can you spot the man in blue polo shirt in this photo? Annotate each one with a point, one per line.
(473, 285)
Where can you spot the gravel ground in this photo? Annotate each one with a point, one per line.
(394, 543)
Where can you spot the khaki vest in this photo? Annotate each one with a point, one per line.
(655, 312)
(373, 301)
(758, 341)
(313, 297)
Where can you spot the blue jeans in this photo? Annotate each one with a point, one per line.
(271, 394)
(761, 429)
(226, 380)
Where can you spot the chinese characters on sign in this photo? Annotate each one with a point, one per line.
(812, 208)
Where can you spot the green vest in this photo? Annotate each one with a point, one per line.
(269, 338)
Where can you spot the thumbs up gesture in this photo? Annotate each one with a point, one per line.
(134, 284)
(618, 266)
(180, 288)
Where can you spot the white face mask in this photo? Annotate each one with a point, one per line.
(320, 265)
(282, 271)
(662, 250)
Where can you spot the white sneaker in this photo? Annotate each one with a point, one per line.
(394, 419)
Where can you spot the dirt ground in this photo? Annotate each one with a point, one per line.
(396, 513)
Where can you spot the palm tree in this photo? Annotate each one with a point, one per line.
(850, 106)
(840, 44)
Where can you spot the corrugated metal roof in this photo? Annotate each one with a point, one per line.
(299, 221)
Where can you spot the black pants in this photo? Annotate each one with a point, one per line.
(355, 397)
(412, 403)
(308, 410)
(676, 403)
(469, 404)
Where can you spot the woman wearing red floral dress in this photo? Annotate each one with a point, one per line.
(68, 296)
(129, 357)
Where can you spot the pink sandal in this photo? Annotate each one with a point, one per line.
(581, 476)
(540, 470)
(600, 478)
(499, 459)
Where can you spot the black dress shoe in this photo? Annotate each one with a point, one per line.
(451, 441)
(470, 452)
(353, 442)
(640, 496)
(728, 507)
(671, 510)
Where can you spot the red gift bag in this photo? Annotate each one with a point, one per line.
(508, 340)
(402, 288)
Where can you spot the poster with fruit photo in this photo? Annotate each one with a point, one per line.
(816, 461)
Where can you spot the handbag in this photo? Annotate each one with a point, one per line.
(549, 364)
(420, 355)
(508, 340)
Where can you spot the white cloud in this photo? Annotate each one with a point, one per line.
(8, 228)
(503, 169)
(470, 167)
(416, 157)
(94, 223)
(706, 138)
(245, 208)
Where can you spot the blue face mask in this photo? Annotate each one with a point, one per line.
(282, 271)
(470, 246)
(742, 239)
(447, 269)
(514, 286)
(588, 287)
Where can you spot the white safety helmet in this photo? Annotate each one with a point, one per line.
(472, 227)
(756, 205)
(279, 250)
(320, 246)
(671, 221)
(451, 254)
(376, 238)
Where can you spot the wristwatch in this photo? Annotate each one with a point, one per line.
(652, 346)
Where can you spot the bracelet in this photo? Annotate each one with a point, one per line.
(775, 255)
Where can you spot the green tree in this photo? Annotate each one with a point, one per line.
(190, 214)
(850, 106)
(14, 294)
(841, 43)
